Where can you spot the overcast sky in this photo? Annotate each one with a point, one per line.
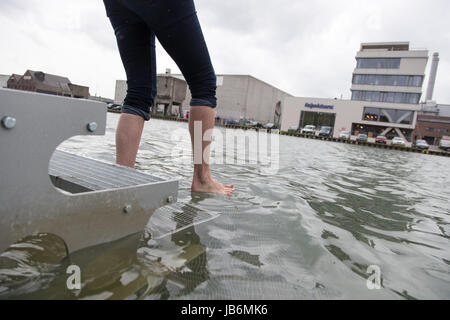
(306, 48)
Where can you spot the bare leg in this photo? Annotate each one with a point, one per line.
(128, 137)
(202, 181)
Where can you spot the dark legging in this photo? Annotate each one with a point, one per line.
(175, 24)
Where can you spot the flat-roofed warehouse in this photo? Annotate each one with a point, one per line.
(238, 97)
(246, 97)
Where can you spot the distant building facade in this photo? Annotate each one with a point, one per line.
(238, 96)
(244, 97)
(433, 122)
(38, 81)
(4, 80)
(386, 90)
(171, 93)
(389, 73)
(120, 92)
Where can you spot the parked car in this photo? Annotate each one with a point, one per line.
(381, 139)
(309, 130)
(397, 141)
(421, 144)
(346, 135)
(362, 137)
(114, 107)
(326, 132)
(294, 128)
(231, 121)
(254, 124)
(445, 143)
(270, 126)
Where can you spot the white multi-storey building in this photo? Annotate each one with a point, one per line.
(386, 91)
(389, 73)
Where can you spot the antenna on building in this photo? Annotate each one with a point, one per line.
(432, 80)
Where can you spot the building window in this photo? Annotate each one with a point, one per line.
(378, 63)
(393, 97)
(415, 81)
(371, 114)
(318, 119)
(388, 115)
(388, 80)
(376, 130)
(430, 129)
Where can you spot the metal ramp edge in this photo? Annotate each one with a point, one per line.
(100, 209)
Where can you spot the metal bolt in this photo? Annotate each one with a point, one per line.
(92, 127)
(127, 208)
(170, 199)
(9, 122)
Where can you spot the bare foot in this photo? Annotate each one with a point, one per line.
(212, 186)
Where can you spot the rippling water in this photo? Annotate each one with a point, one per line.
(310, 231)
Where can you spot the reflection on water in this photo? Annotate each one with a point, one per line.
(311, 231)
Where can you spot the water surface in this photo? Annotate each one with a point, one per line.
(310, 231)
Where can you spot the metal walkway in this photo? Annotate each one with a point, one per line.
(93, 202)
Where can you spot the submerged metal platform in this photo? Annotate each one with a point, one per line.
(84, 201)
(175, 218)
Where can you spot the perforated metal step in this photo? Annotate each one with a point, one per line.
(75, 174)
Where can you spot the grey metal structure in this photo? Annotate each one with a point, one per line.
(433, 75)
(93, 202)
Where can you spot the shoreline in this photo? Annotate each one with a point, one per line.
(309, 136)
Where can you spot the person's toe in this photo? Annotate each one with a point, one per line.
(229, 190)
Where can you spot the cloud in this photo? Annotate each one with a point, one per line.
(306, 48)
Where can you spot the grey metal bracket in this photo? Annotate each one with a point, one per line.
(101, 202)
